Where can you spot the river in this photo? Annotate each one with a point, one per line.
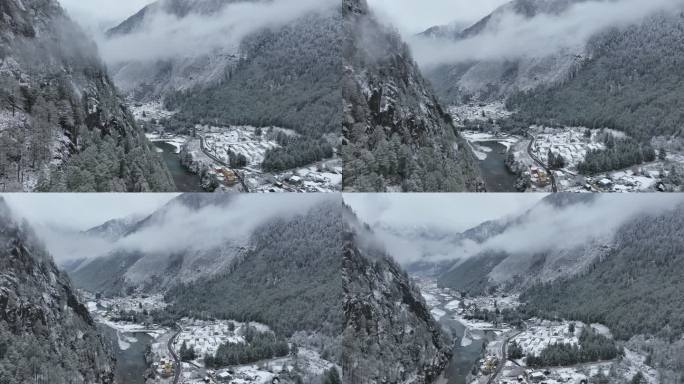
(185, 180)
(130, 363)
(498, 178)
(464, 357)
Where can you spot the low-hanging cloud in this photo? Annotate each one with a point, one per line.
(544, 228)
(175, 228)
(511, 36)
(181, 228)
(166, 36)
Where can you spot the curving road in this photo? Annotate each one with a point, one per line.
(216, 159)
(178, 363)
(503, 360)
(541, 164)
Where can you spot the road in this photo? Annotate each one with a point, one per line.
(177, 361)
(541, 164)
(503, 360)
(216, 159)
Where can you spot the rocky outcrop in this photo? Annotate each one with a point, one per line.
(46, 333)
(397, 135)
(63, 125)
(389, 335)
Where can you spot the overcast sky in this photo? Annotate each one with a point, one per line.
(83, 211)
(415, 16)
(454, 212)
(102, 13)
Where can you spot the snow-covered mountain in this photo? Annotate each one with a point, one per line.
(43, 323)
(397, 135)
(282, 69)
(130, 267)
(63, 126)
(389, 334)
(152, 79)
(621, 73)
(498, 78)
(114, 229)
(631, 81)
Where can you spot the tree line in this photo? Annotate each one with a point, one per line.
(257, 346)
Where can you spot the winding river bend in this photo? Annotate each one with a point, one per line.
(185, 180)
(130, 362)
(465, 355)
(497, 177)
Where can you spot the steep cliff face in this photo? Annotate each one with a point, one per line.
(62, 124)
(389, 335)
(397, 136)
(46, 333)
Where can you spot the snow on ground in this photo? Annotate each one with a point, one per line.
(502, 138)
(241, 140)
(633, 363)
(123, 343)
(466, 341)
(430, 299)
(452, 305)
(153, 110)
(479, 112)
(177, 141)
(437, 313)
(571, 143)
(137, 303)
(312, 362)
(540, 334)
(602, 329)
(205, 336)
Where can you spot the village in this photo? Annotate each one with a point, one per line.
(229, 158)
(496, 365)
(208, 154)
(528, 155)
(177, 354)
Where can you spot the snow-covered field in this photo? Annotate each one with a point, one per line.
(243, 140)
(206, 336)
(153, 110)
(135, 303)
(540, 334)
(479, 112)
(325, 176)
(106, 310)
(568, 142)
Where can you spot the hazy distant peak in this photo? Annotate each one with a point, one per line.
(178, 8)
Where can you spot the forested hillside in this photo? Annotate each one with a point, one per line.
(281, 75)
(389, 333)
(123, 269)
(289, 278)
(633, 82)
(287, 77)
(46, 333)
(63, 127)
(470, 79)
(397, 136)
(636, 289)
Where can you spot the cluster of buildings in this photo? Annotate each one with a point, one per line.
(512, 374)
(539, 334)
(205, 337)
(165, 368)
(248, 141)
(570, 143)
